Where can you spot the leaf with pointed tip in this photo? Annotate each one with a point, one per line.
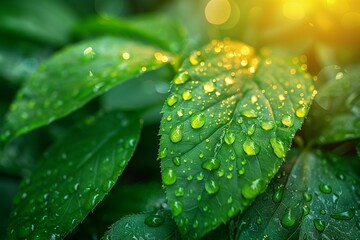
(337, 118)
(76, 75)
(315, 196)
(159, 30)
(226, 128)
(150, 225)
(76, 174)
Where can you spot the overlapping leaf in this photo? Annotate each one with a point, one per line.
(74, 177)
(76, 75)
(315, 196)
(226, 128)
(338, 119)
(151, 225)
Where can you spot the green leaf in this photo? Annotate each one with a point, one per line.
(338, 119)
(76, 174)
(151, 225)
(162, 31)
(76, 75)
(44, 21)
(315, 196)
(226, 128)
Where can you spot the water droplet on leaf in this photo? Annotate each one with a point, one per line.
(324, 188)
(211, 164)
(250, 147)
(212, 187)
(172, 99)
(288, 219)
(301, 111)
(187, 95)
(181, 78)
(197, 121)
(287, 120)
(176, 208)
(319, 224)
(251, 190)
(278, 147)
(154, 220)
(346, 215)
(176, 133)
(168, 176)
(249, 113)
(229, 138)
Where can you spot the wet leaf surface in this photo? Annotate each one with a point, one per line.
(75, 175)
(225, 131)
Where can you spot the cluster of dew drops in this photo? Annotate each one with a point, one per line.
(240, 57)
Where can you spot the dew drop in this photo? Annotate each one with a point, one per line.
(346, 215)
(250, 147)
(212, 187)
(154, 220)
(306, 210)
(278, 147)
(187, 95)
(251, 130)
(197, 121)
(229, 138)
(209, 87)
(288, 120)
(176, 208)
(278, 193)
(324, 188)
(176, 133)
(163, 153)
(194, 59)
(249, 113)
(172, 99)
(258, 220)
(301, 111)
(267, 125)
(181, 78)
(252, 189)
(232, 212)
(319, 224)
(168, 176)
(307, 196)
(288, 219)
(211, 164)
(241, 171)
(125, 56)
(179, 192)
(176, 161)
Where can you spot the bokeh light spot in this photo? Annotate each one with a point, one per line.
(217, 11)
(293, 10)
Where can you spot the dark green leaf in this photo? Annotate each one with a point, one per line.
(44, 21)
(8, 190)
(151, 225)
(338, 119)
(76, 75)
(315, 196)
(227, 126)
(76, 174)
(156, 29)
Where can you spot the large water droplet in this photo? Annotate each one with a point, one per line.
(197, 121)
(176, 161)
(250, 147)
(306, 210)
(209, 87)
(212, 187)
(319, 224)
(249, 113)
(172, 99)
(154, 220)
(168, 176)
(176, 133)
(176, 208)
(288, 120)
(278, 193)
(278, 147)
(232, 212)
(288, 219)
(181, 78)
(252, 189)
(307, 196)
(211, 164)
(324, 188)
(251, 129)
(187, 95)
(229, 138)
(346, 215)
(301, 111)
(163, 153)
